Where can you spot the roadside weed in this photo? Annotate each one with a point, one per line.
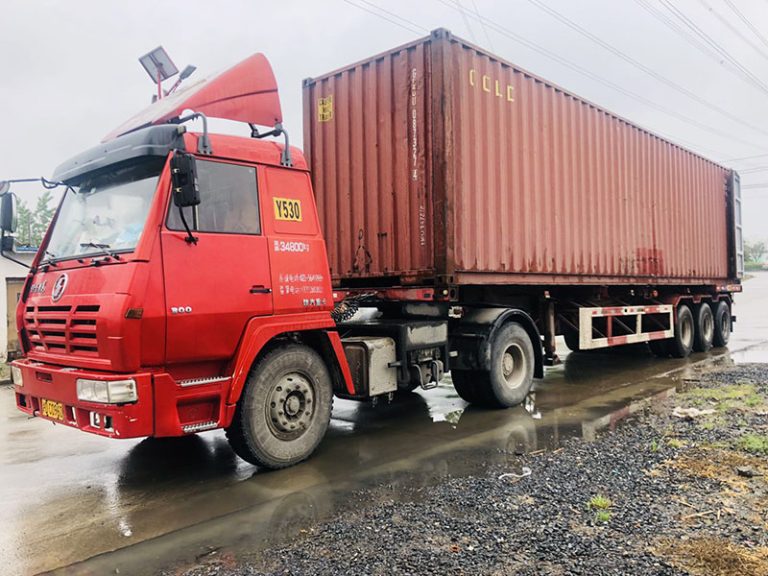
(602, 516)
(599, 502)
(754, 443)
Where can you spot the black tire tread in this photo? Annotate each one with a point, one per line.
(236, 433)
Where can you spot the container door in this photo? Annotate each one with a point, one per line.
(736, 241)
(214, 286)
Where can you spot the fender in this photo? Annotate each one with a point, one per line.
(259, 331)
(474, 333)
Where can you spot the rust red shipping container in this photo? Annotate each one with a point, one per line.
(437, 163)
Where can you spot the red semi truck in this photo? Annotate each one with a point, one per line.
(478, 211)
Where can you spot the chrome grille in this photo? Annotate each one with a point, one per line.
(63, 329)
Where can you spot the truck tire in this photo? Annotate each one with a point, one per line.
(571, 338)
(705, 328)
(510, 378)
(465, 383)
(681, 344)
(722, 321)
(284, 410)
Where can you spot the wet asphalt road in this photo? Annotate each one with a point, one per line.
(79, 504)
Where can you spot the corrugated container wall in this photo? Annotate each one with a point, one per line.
(439, 163)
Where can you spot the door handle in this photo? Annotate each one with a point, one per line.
(260, 289)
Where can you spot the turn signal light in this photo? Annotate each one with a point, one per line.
(134, 313)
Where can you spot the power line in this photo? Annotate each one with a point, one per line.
(680, 15)
(753, 186)
(587, 34)
(410, 26)
(733, 29)
(466, 21)
(697, 43)
(746, 21)
(588, 73)
(485, 30)
(753, 170)
(745, 158)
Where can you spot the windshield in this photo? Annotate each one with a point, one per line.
(106, 213)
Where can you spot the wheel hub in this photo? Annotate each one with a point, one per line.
(513, 365)
(291, 404)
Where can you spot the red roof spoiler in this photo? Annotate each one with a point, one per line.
(246, 92)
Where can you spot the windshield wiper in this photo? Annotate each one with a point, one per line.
(104, 247)
(50, 259)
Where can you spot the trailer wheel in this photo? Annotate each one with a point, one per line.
(284, 410)
(681, 344)
(705, 328)
(722, 321)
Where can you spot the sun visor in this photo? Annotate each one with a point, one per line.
(246, 92)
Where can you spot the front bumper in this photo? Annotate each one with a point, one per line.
(50, 392)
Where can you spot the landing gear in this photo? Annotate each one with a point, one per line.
(284, 410)
(510, 378)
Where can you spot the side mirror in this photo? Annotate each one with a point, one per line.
(184, 180)
(8, 212)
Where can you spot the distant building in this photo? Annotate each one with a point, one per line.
(13, 276)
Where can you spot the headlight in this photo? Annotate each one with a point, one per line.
(107, 392)
(16, 376)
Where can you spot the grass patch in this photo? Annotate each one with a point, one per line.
(599, 502)
(715, 556)
(676, 443)
(718, 464)
(654, 445)
(741, 396)
(603, 516)
(754, 444)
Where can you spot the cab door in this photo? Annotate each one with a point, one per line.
(215, 284)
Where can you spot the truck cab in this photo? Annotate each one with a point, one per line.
(133, 326)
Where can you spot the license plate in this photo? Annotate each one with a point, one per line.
(52, 410)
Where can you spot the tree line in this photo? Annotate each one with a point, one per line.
(32, 223)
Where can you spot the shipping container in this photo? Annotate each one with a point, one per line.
(437, 163)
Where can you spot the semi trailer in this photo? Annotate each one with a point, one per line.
(452, 213)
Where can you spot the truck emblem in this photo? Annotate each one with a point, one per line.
(59, 286)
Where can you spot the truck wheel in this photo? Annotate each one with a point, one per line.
(571, 338)
(705, 328)
(681, 344)
(511, 375)
(466, 383)
(284, 410)
(722, 324)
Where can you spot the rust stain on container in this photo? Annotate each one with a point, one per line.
(438, 162)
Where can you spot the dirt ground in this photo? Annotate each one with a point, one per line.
(679, 488)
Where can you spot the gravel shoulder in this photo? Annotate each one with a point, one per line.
(680, 488)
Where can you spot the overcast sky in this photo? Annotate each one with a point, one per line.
(69, 71)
